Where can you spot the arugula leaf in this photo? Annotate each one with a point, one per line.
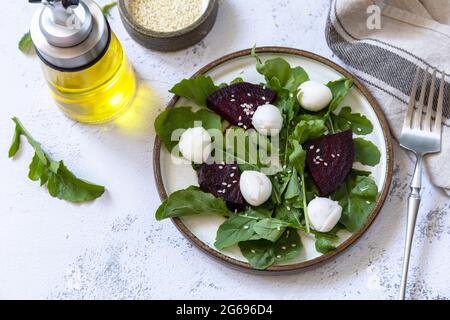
(293, 188)
(308, 129)
(357, 198)
(195, 90)
(270, 229)
(61, 183)
(235, 229)
(191, 201)
(106, 9)
(237, 80)
(339, 89)
(357, 122)
(279, 74)
(324, 245)
(366, 152)
(183, 118)
(26, 43)
(261, 254)
(288, 246)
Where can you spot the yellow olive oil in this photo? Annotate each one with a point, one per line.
(98, 93)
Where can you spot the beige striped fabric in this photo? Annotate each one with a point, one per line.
(384, 42)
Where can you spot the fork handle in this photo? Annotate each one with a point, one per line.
(412, 210)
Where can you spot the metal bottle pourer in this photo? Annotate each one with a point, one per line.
(69, 34)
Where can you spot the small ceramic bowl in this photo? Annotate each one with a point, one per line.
(174, 40)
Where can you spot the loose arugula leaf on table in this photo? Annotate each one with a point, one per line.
(357, 198)
(106, 9)
(357, 122)
(366, 152)
(339, 89)
(191, 201)
(61, 182)
(261, 254)
(183, 118)
(196, 89)
(26, 43)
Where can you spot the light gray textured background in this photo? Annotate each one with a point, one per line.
(113, 247)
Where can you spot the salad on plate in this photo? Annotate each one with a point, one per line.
(276, 159)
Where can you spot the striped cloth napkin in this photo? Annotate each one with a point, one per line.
(383, 42)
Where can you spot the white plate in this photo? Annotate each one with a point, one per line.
(202, 229)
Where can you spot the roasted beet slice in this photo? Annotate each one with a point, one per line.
(222, 180)
(329, 160)
(238, 102)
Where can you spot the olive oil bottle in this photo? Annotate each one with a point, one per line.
(82, 59)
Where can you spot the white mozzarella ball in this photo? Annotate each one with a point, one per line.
(314, 96)
(268, 120)
(255, 187)
(195, 144)
(324, 214)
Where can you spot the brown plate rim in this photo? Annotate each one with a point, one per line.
(278, 269)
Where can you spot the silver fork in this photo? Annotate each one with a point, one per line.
(421, 137)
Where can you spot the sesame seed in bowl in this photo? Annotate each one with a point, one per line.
(168, 25)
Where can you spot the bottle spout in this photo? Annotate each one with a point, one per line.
(62, 10)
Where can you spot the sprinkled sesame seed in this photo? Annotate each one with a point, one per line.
(249, 94)
(232, 100)
(293, 245)
(224, 183)
(232, 175)
(333, 156)
(264, 98)
(288, 208)
(325, 164)
(252, 251)
(229, 186)
(220, 167)
(311, 147)
(244, 126)
(240, 118)
(278, 256)
(234, 181)
(317, 150)
(234, 167)
(368, 202)
(283, 248)
(359, 129)
(240, 123)
(246, 227)
(338, 155)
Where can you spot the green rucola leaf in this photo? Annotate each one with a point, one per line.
(234, 230)
(366, 152)
(61, 183)
(270, 229)
(106, 9)
(339, 89)
(191, 201)
(324, 245)
(195, 90)
(26, 43)
(183, 118)
(357, 122)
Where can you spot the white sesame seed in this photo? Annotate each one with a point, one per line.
(325, 164)
(283, 248)
(278, 256)
(229, 186)
(333, 156)
(252, 251)
(224, 183)
(232, 100)
(338, 155)
(246, 227)
(288, 208)
(368, 202)
(278, 228)
(249, 94)
(311, 147)
(359, 129)
(245, 127)
(240, 123)
(240, 118)
(234, 167)
(234, 181)
(264, 98)
(232, 175)
(293, 245)
(220, 167)
(317, 150)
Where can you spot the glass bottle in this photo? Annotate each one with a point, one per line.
(82, 60)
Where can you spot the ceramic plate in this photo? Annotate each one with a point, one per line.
(201, 230)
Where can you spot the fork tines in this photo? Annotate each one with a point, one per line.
(414, 119)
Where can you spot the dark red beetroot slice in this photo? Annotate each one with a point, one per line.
(238, 102)
(330, 160)
(222, 180)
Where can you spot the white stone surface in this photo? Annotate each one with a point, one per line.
(114, 248)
